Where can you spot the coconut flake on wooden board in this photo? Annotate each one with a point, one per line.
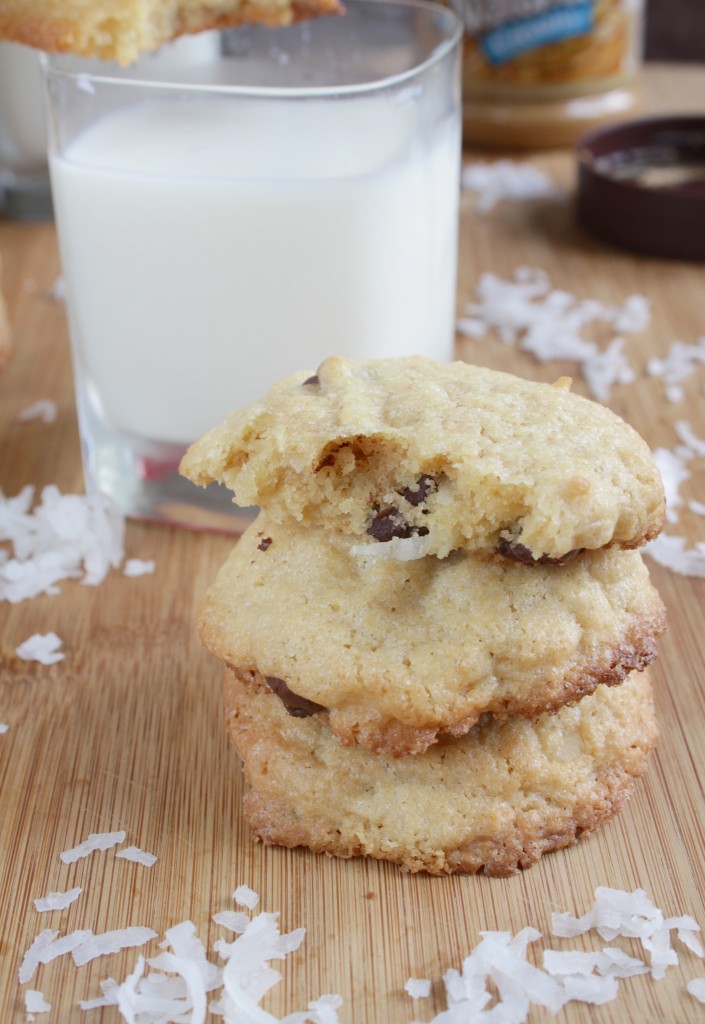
(493, 182)
(676, 366)
(672, 550)
(113, 941)
(180, 979)
(43, 409)
(138, 567)
(66, 536)
(246, 897)
(497, 984)
(95, 841)
(696, 988)
(34, 1002)
(41, 647)
(137, 856)
(57, 900)
(549, 323)
(418, 988)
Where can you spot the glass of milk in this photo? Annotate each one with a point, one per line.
(244, 210)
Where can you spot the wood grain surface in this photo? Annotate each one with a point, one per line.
(127, 731)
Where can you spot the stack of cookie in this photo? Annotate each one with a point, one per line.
(425, 627)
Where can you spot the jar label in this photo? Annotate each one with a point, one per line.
(562, 21)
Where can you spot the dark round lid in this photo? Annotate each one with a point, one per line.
(641, 185)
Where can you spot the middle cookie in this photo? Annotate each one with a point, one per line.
(396, 654)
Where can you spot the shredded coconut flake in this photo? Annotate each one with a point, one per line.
(606, 368)
(676, 366)
(507, 179)
(31, 959)
(34, 1002)
(672, 465)
(138, 567)
(685, 434)
(631, 915)
(133, 853)
(67, 536)
(109, 998)
(549, 323)
(498, 985)
(672, 552)
(3, 728)
(95, 841)
(110, 942)
(696, 988)
(176, 987)
(57, 900)
(401, 549)
(247, 976)
(233, 920)
(44, 409)
(47, 947)
(246, 897)
(41, 647)
(418, 988)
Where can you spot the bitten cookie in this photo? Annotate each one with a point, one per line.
(392, 654)
(128, 28)
(495, 800)
(425, 457)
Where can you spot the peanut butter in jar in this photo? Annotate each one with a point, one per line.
(538, 73)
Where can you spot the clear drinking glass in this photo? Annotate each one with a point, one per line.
(244, 212)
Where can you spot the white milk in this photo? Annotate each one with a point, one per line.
(209, 249)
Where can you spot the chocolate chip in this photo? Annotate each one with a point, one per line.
(313, 381)
(520, 553)
(418, 494)
(389, 523)
(297, 707)
(264, 543)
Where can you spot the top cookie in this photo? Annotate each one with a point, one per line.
(132, 27)
(419, 457)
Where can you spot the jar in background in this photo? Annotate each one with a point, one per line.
(538, 73)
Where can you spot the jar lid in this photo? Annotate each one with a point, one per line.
(641, 185)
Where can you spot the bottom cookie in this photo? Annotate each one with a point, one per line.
(494, 800)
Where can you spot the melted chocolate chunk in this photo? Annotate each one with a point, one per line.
(264, 543)
(313, 381)
(425, 485)
(297, 707)
(389, 523)
(520, 553)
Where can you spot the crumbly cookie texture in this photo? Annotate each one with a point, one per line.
(123, 29)
(437, 456)
(397, 653)
(493, 801)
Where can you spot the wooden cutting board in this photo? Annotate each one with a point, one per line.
(127, 733)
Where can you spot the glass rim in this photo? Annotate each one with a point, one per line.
(453, 36)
